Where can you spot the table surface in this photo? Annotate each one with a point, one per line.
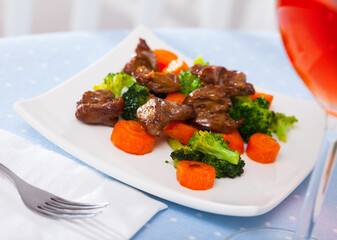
(32, 65)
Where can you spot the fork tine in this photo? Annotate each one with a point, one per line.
(56, 206)
(62, 201)
(61, 213)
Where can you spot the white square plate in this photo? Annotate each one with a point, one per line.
(258, 190)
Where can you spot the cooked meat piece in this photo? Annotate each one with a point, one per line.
(99, 107)
(144, 57)
(210, 105)
(217, 75)
(159, 82)
(157, 113)
(143, 69)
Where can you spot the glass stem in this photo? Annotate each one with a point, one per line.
(318, 181)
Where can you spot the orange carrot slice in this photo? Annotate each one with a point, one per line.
(262, 148)
(235, 141)
(268, 97)
(195, 175)
(176, 97)
(164, 57)
(180, 131)
(176, 66)
(131, 137)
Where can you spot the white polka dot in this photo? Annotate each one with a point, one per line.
(33, 81)
(299, 95)
(286, 67)
(76, 48)
(292, 218)
(66, 61)
(191, 237)
(7, 55)
(56, 78)
(7, 84)
(20, 68)
(31, 52)
(335, 230)
(9, 115)
(99, 45)
(268, 224)
(252, 58)
(199, 214)
(172, 219)
(267, 70)
(183, 38)
(242, 228)
(237, 45)
(288, 238)
(44, 65)
(54, 49)
(197, 50)
(85, 35)
(218, 234)
(23, 130)
(257, 44)
(271, 56)
(282, 82)
(296, 196)
(218, 47)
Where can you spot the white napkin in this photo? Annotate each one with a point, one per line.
(128, 211)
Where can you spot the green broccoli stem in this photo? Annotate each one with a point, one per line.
(222, 153)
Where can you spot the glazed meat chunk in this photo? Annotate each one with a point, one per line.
(158, 82)
(99, 107)
(144, 57)
(157, 113)
(210, 105)
(217, 75)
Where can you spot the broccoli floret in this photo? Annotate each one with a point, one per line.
(200, 60)
(115, 82)
(281, 124)
(262, 102)
(257, 118)
(134, 97)
(185, 153)
(189, 82)
(213, 144)
(222, 168)
(225, 169)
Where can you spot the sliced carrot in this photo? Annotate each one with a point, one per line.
(164, 57)
(262, 148)
(268, 97)
(180, 131)
(176, 66)
(235, 141)
(131, 137)
(176, 97)
(195, 175)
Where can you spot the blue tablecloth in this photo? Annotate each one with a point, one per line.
(32, 65)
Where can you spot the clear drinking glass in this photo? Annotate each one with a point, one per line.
(309, 33)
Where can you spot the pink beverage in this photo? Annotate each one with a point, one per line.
(309, 33)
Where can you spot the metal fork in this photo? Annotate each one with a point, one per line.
(48, 204)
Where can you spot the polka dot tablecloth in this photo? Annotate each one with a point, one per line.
(32, 65)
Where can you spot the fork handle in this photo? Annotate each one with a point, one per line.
(11, 175)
